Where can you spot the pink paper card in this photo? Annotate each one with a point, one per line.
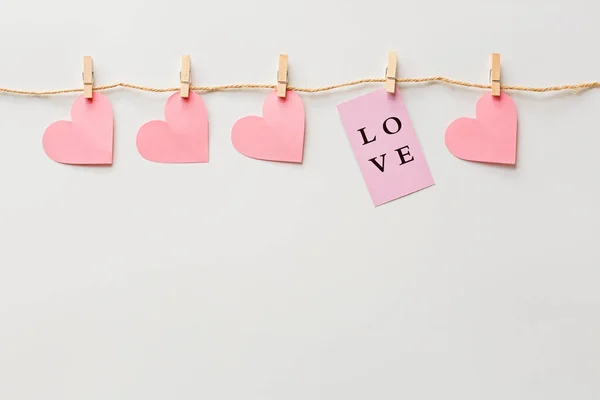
(385, 145)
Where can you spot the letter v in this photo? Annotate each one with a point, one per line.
(379, 166)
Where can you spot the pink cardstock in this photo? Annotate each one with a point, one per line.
(491, 137)
(276, 136)
(85, 140)
(385, 145)
(183, 138)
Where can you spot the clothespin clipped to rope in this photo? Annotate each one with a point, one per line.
(185, 76)
(390, 73)
(88, 77)
(282, 76)
(495, 74)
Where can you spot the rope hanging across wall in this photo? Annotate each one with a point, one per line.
(250, 86)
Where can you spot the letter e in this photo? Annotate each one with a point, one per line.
(402, 155)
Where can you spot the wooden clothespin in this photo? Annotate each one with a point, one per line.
(390, 73)
(185, 76)
(88, 77)
(495, 74)
(282, 75)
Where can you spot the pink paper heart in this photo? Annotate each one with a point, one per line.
(491, 137)
(278, 135)
(85, 140)
(183, 138)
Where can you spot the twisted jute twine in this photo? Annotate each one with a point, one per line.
(242, 86)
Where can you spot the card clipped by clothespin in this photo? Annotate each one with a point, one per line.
(495, 74)
(390, 73)
(185, 76)
(282, 75)
(88, 77)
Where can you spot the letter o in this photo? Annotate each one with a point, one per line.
(398, 123)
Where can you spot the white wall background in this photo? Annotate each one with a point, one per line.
(244, 280)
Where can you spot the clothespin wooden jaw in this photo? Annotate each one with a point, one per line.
(390, 73)
(282, 76)
(88, 77)
(495, 74)
(185, 76)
